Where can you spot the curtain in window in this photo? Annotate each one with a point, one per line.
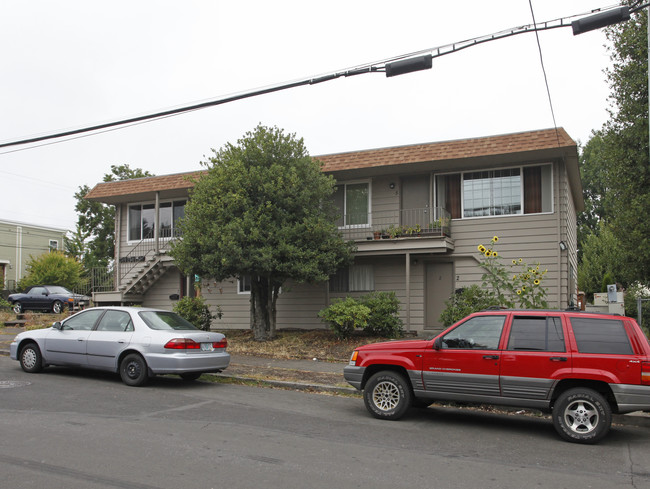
(452, 194)
(533, 190)
(362, 278)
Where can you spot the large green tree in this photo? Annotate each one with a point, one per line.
(94, 238)
(263, 210)
(614, 163)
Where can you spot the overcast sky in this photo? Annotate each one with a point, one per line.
(71, 64)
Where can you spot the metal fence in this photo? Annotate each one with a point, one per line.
(408, 223)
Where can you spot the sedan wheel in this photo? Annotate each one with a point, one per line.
(133, 370)
(30, 358)
(18, 307)
(57, 307)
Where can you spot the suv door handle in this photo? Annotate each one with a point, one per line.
(490, 357)
(558, 359)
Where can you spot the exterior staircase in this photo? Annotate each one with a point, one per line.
(137, 281)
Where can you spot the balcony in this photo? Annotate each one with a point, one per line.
(407, 223)
(417, 230)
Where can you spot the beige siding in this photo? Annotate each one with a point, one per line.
(158, 294)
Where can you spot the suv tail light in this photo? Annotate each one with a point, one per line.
(645, 373)
(182, 344)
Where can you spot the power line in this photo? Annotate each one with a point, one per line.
(399, 64)
(541, 61)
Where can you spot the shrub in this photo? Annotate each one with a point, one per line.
(197, 312)
(344, 316)
(384, 317)
(464, 302)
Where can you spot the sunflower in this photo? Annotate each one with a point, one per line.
(536, 282)
(481, 248)
(495, 254)
(488, 253)
(514, 262)
(519, 292)
(495, 239)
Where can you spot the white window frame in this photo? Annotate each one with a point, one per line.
(345, 203)
(53, 244)
(241, 282)
(521, 169)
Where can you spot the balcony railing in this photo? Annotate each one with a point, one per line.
(407, 223)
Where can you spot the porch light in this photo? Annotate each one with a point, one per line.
(603, 19)
(563, 246)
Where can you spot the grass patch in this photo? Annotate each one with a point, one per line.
(297, 344)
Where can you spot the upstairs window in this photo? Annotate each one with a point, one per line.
(142, 220)
(506, 192)
(353, 202)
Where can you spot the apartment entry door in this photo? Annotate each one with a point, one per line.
(439, 288)
(415, 201)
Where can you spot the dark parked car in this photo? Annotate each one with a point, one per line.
(47, 298)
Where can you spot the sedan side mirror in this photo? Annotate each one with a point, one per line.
(57, 325)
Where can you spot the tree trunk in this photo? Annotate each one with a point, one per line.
(264, 295)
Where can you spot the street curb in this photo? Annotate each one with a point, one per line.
(291, 385)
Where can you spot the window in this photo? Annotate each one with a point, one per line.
(244, 285)
(601, 336)
(353, 202)
(142, 219)
(512, 191)
(54, 245)
(536, 333)
(477, 333)
(83, 321)
(115, 321)
(356, 278)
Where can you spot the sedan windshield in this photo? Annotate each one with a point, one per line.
(165, 320)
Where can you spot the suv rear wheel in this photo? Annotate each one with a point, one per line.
(387, 395)
(582, 415)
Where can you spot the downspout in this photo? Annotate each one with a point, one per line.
(118, 241)
(560, 214)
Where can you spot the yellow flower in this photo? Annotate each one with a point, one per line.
(518, 292)
(520, 260)
(495, 239)
(488, 253)
(523, 288)
(495, 254)
(514, 262)
(536, 282)
(481, 248)
(514, 277)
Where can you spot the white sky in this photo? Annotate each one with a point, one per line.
(70, 64)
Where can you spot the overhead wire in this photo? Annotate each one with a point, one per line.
(374, 67)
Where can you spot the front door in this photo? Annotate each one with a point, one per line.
(439, 288)
(416, 207)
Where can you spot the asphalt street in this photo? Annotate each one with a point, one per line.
(65, 429)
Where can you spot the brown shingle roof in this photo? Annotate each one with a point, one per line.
(111, 192)
(448, 150)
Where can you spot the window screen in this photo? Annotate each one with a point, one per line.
(601, 336)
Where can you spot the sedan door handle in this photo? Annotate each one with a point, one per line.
(558, 359)
(490, 357)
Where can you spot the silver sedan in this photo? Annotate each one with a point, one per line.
(134, 341)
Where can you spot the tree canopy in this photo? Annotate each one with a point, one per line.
(614, 162)
(263, 210)
(52, 268)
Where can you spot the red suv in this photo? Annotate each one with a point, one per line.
(582, 367)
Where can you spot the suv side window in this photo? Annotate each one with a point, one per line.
(601, 336)
(477, 333)
(536, 333)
